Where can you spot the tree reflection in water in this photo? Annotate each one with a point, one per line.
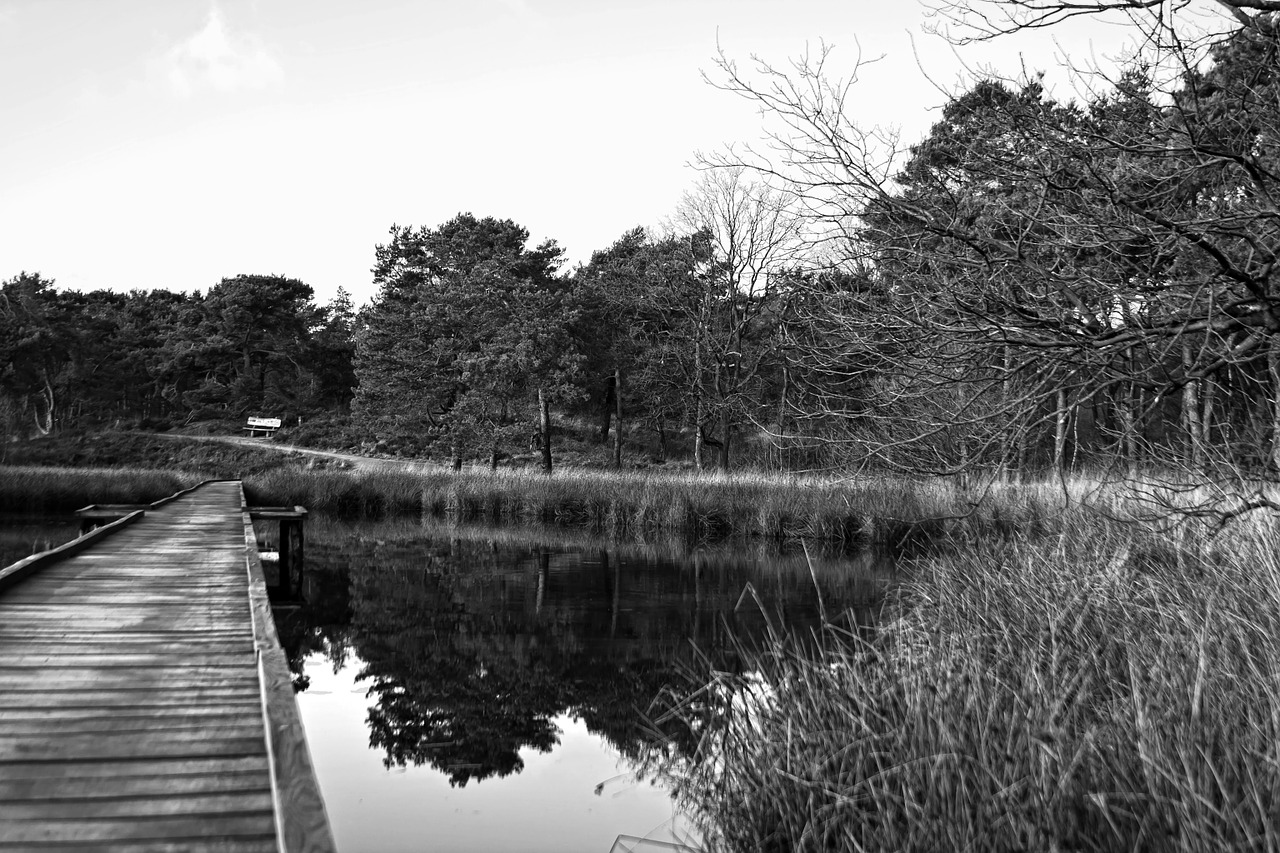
(473, 646)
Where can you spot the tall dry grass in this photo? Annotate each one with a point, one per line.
(40, 489)
(1099, 688)
(857, 513)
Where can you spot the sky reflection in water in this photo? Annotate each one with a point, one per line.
(549, 805)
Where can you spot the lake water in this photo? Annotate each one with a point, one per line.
(24, 535)
(473, 689)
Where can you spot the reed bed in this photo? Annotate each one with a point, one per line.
(41, 489)
(873, 512)
(879, 512)
(1102, 688)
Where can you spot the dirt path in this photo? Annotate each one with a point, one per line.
(365, 463)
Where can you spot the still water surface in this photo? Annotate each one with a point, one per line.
(468, 689)
(22, 535)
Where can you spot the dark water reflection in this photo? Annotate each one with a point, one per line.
(24, 535)
(473, 646)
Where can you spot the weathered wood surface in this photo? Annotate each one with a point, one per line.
(138, 694)
(304, 824)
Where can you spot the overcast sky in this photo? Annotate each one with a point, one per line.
(167, 143)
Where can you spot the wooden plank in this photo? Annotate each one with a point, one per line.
(274, 514)
(163, 805)
(132, 786)
(230, 722)
(9, 634)
(165, 679)
(108, 618)
(12, 719)
(100, 697)
(132, 746)
(105, 655)
(190, 845)
(143, 604)
(105, 831)
(116, 587)
(192, 643)
(91, 645)
(159, 768)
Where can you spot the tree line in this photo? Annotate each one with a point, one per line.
(1038, 284)
(251, 343)
(1044, 283)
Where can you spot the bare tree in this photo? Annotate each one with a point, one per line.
(1050, 270)
(745, 235)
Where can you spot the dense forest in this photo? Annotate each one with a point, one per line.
(1038, 284)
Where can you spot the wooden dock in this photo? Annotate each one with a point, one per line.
(145, 703)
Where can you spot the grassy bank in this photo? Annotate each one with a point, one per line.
(635, 505)
(1104, 688)
(879, 512)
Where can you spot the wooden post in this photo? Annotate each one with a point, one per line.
(292, 555)
(284, 565)
(296, 553)
(288, 584)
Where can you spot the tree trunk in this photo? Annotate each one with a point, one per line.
(544, 423)
(1208, 395)
(697, 439)
(610, 402)
(1060, 435)
(700, 333)
(1191, 412)
(1128, 428)
(45, 426)
(779, 441)
(662, 438)
(1273, 363)
(1006, 436)
(617, 429)
(724, 438)
(697, 408)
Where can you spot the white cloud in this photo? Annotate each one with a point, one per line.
(217, 58)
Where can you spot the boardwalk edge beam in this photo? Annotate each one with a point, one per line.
(303, 823)
(21, 569)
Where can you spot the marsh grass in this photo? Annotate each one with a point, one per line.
(856, 513)
(1100, 688)
(639, 505)
(41, 489)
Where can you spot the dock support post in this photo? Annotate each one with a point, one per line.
(288, 585)
(292, 557)
(284, 568)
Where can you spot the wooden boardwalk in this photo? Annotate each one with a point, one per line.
(144, 699)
